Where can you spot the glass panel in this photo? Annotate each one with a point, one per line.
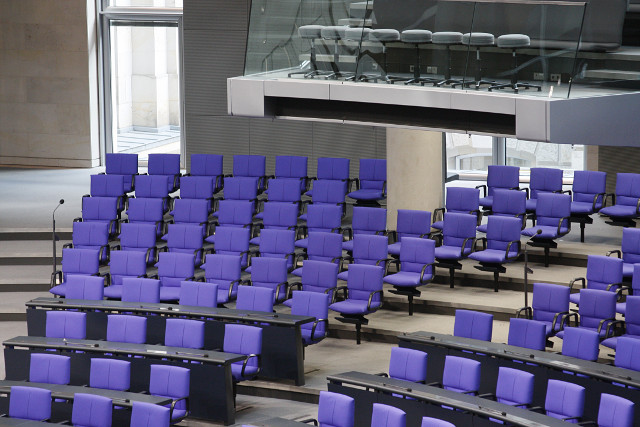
(468, 154)
(145, 84)
(528, 154)
(147, 3)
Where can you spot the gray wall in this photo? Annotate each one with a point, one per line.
(215, 34)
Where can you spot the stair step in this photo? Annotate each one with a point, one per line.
(34, 233)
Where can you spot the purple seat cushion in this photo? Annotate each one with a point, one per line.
(353, 307)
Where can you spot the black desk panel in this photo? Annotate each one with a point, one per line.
(282, 345)
(211, 386)
(595, 377)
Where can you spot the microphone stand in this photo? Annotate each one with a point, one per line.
(527, 270)
(54, 237)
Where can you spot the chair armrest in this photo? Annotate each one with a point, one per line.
(153, 276)
(173, 405)
(483, 240)
(424, 268)
(595, 201)
(613, 199)
(638, 207)
(484, 189)
(279, 286)
(610, 331)
(104, 249)
(340, 262)
(78, 219)
(566, 218)
(384, 188)
(611, 285)
(309, 420)
(371, 295)
(526, 190)
(569, 192)
(464, 245)
(107, 278)
(615, 251)
(565, 319)
(577, 279)
(621, 289)
(438, 215)
(55, 274)
(555, 318)
(302, 255)
(69, 245)
(386, 262)
(244, 364)
(487, 396)
(527, 310)
(517, 242)
(393, 234)
(291, 286)
(570, 418)
(349, 231)
(235, 282)
(303, 231)
(315, 324)
(343, 288)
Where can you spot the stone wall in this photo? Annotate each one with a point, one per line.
(48, 83)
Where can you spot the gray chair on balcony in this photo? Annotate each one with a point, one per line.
(514, 42)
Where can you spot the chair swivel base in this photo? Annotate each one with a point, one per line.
(309, 74)
(477, 83)
(367, 203)
(444, 82)
(452, 267)
(621, 222)
(516, 86)
(496, 269)
(582, 219)
(354, 319)
(409, 292)
(546, 245)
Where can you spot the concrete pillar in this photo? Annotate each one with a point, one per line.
(414, 171)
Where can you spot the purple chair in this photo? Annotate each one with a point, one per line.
(126, 328)
(368, 250)
(597, 312)
(292, 167)
(252, 298)
(631, 321)
(458, 242)
(172, 382)
(241, 188)
(629, 251)
(317, 276)
(154, 187)
(461, 375)
(387, 416)
(190, 211)
(251, 166)
(514, 387)
(147, 211)
(85, 288)
(326, 192)
(334, 409)
(553, 212)
(138, 237)
(508, 203)
(207, 165)
(198, 294)
(333, 169)
(366, 220)
(184, 333)
(66, 324)
(603, 273)
(410, 223)
(124, 264)
(173, 268)
(371, 184)
(500, 246)
(473, 324)
(628, 353)
(314, 304)
(224, 271)
(325, 247)
(581, 343)
(435, 422)
(408, 365)
(149, 415)
(29, 403)
(362, 296)
(110, 374)
(283, 190)
(198, 188)
(168, 165)
(543, 181)
(101, 210)
(91, 410)
(615, 411)
(270, 273)
(499, 177)
(235, 213)
(123, 164)
(589, 192)
(527, 333)
(231, 241)
(458, 200)
(247, 340)
(320, 218)
(137, 289)
(91, 235)
(277, 244)
(75, 262)
(49, 368)
(564, 401)
(108, 186)
(417, 268)
(550, 304)
(626, 202)
(186, 239)
(277, 216)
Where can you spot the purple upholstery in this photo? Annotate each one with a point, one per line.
(146, 211)
(328, 192)
(172, 382)
(91, 410)
(335, 410)
(231, 241)
(588, 191)
(198, 188)
(528, 333)
(321, 218)
(92, 235)
(235, 213)
(408, 365)
(334, 169)
(473, 324)
(209, 165)
(126, 328)
(186, 239)
(500, 177)
(82, 262)
(461, 375)
(154, 187)
(548, 300)
(372, 180)
(277, 244)
(509, 203)
(122, 164)
(501, 230)
(139, 237)
(30, 403)
(247, 340)
(414, 255)
(291, 167)
(410, 223)
(167, 165)
(318, 276)
(85, 287)
(581, 343)
(366, 220)
(102, 210)
(240, 188)
(49, 368)
(458, 229)
(631, 319)
(602, 271)
(628, 353)
(615, 411)
(249, 165)
(198, 294)
(387, 416)
(253, 298)
(630, 250)
(107, 186)
(111, 374)
(190, 211)
(278, 216)
(364, 284)
(136, 289)
(595, 306)
(368, 250)
(564, 400)
(550, 208)
(173, 268)
(224, 271)
(124, 264)
(514, 387)
(435, 422)
(315, 304)
(149, 415)
(270, 273)
(543, 180)
(184, 333)
(460, 200)
(325, 247)
(627, 196)
(66, 324)
(284, 190)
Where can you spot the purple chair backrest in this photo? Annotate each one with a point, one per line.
(127, 328)
(235, 213)
(514, 387)
(328, 192)
(30, 403)
(190, 211)
(435, 422)
(369, 220)
(163, 164)
(249, 165)
(222, 267)
(527, 333)
(107, 185)
(627, 189)
(363, 280)
(373, 172)
(149, 415)
(631, 245)
(603, 271)
(137, 236)
(231, 240)
(80, 261)
(324, 246)
(501, 230)
(90, 234)
(276, 243)
(140, 290)
(268, 272)
(462, 200)
(332, 168)
(126, 264)
(408, 364)
(170, 381)
(628, 353)
(284, 190)
(415, 253)
(240, 188)
(509, 202)
(586, 184)
(184, 333)
(387, 416)
(506, 177)
(174, 267)
(49, 368)
(458, 227)
(412, 223)
(197, 187)
(314, 304)
(318, 276)
(581, 343)
(615, 411)
(254, 298)
(473, 324)
(152, 186)
(564, 400)
(85, 287)
(205, 165)
(280, 215)
(545, 180)
(596, 305)
(198, 294)
(549, 299)
(336, 409)
(121, 164)
(370, 249)
(145, 210)
(632, 316)
(290, 167)
(99, 208)
(324, 218)
(185, 238)
(66, 324)
(110, 374)
(551, 207)
(243, 339)
(461, 374)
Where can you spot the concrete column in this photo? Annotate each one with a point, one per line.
(414, 171)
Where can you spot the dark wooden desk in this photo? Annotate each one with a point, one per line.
(211, 385)
(282, 345)
(281, 422)
(595, 377)
(4, 421)
(419, 400)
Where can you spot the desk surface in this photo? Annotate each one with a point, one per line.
(282, 422)
(146, 350)
(61, 391)
(552, 360)
(5, 421)
(439, 396)
(276, 319)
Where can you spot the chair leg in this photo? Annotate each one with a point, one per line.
(546, 256)
(496, 276)
(358, 333)
(410, 305)
(452, 273)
